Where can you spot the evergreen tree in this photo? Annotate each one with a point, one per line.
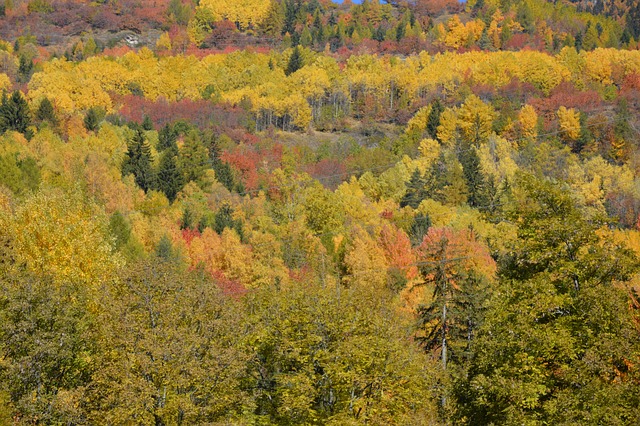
(25, 69)
(194, 158)
(434, 118)
(474, 179)
(14, 113)
(416, 191)
(186, 222)
(138, 161)
(224, 174)
(170, 179)
(167, 138)
(224, 219)
(147, 124)
(633, 20)
(93, 118)
(164, 249)
(419, 228)
(46, 112)
(295, 62)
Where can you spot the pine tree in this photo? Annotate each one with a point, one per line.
(224, 174)
(434, 118)
(194, 158)
(25, 69)
(14, 113)
(295, 62)
(419, 228)
(167, 138)
(93, 118)
(46, 112)
(416, 191)
(138, 161)
(170, 180)
(476, 183)
(147, 124)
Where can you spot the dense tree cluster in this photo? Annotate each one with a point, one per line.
(393, 216)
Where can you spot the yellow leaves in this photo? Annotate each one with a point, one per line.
(459, 35)
(62, 235)
(528, 119)
(448, 125)
(246, 12)
(429, 150)
(475, 120)
(569, 121)
(418, 123)
(68, 87)
(5, 82)
(366, 262)
(164, 42)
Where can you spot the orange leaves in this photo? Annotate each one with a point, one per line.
(398, 252)
(459, 250)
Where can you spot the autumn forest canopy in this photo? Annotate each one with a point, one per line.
(298, 212)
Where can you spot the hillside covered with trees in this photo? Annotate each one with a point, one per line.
(288, 212)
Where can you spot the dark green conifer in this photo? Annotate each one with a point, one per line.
(138, 161)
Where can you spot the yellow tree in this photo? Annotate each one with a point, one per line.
(569, 122)
(62, 235)
(475, 120)
(528, 119)
(246, 12)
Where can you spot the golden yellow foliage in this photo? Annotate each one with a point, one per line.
(246, 12)
(569, 121)
(528, 118)
(63, 235)
(5, 82)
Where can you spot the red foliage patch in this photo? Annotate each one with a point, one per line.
(189, 234)
(229, 287)
(200, 113)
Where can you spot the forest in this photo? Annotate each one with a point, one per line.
(297, 212)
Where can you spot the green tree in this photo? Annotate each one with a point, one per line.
(20, 175)
(419, 228)
(171, 350)
(474, 179)
(170, 179)
(147, 124)
(167, 138)
(46, 113)
(25, 69)
(194, 158)
(334, 356)
(93, 118)
(558, 338)
(47, 345)
(138, 161)
(14, 113)
(295, 62)
(416, 190)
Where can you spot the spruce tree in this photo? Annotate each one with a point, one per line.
(434, 118)
(14, 113)
(138, 161)
(147, 124)
(416, 191)
(170, 180)
(295, 62)
(167, 138)
(419, 228)
(93, 118)
(194, 158)
(476, 183)
(46, 112)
